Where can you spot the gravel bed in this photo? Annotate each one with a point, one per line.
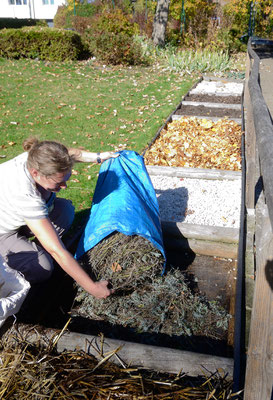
(198, 201)
(215, 87)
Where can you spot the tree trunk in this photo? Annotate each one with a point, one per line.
(160, 22)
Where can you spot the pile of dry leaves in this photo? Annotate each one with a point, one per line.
(198, 143)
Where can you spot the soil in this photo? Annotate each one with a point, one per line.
(214, 99)
(200, 110)
(208, 112)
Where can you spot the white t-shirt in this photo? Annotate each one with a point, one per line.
(19, 197)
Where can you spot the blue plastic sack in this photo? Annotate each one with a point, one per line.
(124, 201)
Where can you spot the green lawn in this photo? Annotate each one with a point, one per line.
(84, 105)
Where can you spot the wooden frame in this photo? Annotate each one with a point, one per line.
(259, 368)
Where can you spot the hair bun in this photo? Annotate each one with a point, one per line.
(29, 143)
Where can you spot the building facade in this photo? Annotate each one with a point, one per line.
(33, 9)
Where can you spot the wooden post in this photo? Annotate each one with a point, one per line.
(250, 143)
(259, 370)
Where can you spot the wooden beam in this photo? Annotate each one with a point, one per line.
(194, 173)
(211, 105)
(250, 143)
(202, 247)
(214, 119)
(200, 232)
(259, 369)
(155, 358)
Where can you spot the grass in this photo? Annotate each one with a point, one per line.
(85, 105)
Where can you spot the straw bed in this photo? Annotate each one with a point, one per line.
(34, 370)
(166, 304)
(125, 261)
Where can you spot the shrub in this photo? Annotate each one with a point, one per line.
(115, 22)
(118, 49)
(62, 18)
(143, 16)
(81, 24)
(111, 39)
(65, 18)
(44, 43)
(242, 11)
(19, 23)
(85, 9)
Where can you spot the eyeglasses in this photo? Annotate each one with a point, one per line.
(52, 179)
(64, 179)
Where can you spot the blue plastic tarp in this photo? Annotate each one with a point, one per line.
(124, 201)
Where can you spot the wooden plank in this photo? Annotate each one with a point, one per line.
(264, 130)
(219, 94)
(214, 119)
(250, 143)
(259, 370)
(208, 77)
(200, 232)
(204, 247)
(160, 359)
(211, 105)
(194, 173)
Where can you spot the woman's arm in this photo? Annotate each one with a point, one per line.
(47, 236)
(87, 156)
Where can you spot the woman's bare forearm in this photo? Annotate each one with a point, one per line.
(88, 156)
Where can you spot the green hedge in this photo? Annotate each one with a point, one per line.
(20, 22)
(43, 43)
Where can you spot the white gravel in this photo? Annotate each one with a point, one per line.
(198, 201)
(218, 87)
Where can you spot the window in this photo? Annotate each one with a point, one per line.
(46, 2)
(18, 2)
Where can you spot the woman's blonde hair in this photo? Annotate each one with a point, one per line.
(47, 157)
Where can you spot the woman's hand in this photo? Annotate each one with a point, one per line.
(108, 154)
(101, 290)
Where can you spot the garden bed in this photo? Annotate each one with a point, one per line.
(210, 98)
(208, 111)
(206, 254)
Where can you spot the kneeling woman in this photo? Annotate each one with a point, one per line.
(29, 207)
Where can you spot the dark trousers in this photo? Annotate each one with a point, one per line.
(28, 256)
